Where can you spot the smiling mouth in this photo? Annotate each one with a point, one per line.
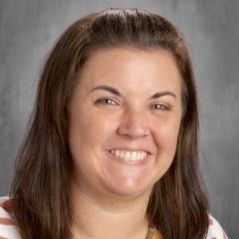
(129, 155)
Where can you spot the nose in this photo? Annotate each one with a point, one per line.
(134, 124)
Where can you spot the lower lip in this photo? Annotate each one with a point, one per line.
(142, 162)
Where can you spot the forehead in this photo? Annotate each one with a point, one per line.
(131, 66)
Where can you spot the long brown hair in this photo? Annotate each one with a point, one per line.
(178, 206)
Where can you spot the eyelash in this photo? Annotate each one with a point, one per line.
(161, 107)
(105, 101)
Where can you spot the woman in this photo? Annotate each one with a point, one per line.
(112, 147)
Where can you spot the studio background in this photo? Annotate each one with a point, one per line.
(29, 28)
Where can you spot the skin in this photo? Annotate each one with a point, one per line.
(108, 192)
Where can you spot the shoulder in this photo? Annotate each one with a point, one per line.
(8, 228)
(215, 231)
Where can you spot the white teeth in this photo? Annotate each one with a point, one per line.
(129, 155)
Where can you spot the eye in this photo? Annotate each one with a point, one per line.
(160, 106)
(107, 101)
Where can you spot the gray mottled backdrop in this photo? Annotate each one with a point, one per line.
(28, 29)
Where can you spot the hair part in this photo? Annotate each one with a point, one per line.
(178, 206)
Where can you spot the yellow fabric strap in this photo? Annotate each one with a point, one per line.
(154, 233)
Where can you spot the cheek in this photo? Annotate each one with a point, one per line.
(89, 129)
(167, 136)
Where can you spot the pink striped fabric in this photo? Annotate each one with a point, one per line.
(9, 230)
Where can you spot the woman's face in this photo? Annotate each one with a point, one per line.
(125, 116)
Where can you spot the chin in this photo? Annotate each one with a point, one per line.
(130, 189)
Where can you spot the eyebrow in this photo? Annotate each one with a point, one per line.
(116, 92)
(107, 88)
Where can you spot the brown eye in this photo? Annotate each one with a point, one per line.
(160, 106)
(106, 101)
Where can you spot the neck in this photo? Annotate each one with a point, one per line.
(109, 219)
